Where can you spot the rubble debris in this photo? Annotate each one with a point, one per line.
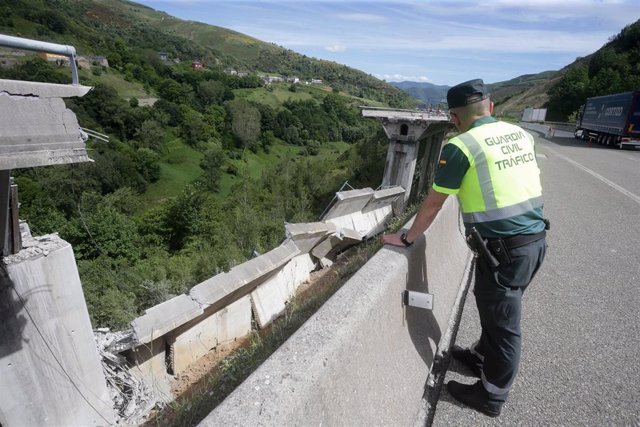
(132, 399)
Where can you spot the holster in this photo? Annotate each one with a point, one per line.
(499, 250)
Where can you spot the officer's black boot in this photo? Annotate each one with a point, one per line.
(476, 397)
(469, 359)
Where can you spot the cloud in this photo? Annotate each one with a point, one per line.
(337, 47)
(402, 78)
(362, 17)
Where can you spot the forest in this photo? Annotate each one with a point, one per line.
(612, 69)
(193, 184)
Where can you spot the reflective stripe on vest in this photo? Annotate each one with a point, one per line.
(484, 177)
(503, 179)
(502, 213)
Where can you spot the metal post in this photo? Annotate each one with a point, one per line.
(15, 242)
(5, 187)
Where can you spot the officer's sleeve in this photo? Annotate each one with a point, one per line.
(452, 166)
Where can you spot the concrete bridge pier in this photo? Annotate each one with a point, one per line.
(415, 140)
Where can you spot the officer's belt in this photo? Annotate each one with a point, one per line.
(521, 239)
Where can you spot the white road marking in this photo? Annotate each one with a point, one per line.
(611, 184)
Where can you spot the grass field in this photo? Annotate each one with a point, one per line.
(179, 166)
(274, 98)
(124, 88)
(257, 163)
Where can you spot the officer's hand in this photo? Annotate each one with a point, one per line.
(392, 239)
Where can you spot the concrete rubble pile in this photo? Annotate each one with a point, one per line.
(132, 399)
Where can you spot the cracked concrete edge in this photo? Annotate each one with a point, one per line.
(435, 379)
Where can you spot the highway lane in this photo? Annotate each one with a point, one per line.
(581, 323)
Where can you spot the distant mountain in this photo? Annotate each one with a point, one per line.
(426, 92)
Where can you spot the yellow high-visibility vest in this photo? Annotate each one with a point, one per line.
(503, 179)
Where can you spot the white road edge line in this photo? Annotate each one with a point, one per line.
(611, 184)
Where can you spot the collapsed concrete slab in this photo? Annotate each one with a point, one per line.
(363, 358)
(270, 298)
(190, 343)
(326, 251)
(348, 202)
(149, 364)
(383, 198)
(165, 317)
(223, 289)
(307, 235)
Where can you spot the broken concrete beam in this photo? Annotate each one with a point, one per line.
(37, 128)
(149, 364)
(225, 325)
(165, 317)
(224, 288)
(336, 243)
(307, 235)
(42, 90)
(322, 249)
(378, 219)
(269, 299)
(349, 202)
(384, 197)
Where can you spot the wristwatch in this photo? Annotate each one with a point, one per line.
(403, 239)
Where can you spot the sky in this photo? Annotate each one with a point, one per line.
(440, 42)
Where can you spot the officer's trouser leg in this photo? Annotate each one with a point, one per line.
(500, 340)
(499, 300)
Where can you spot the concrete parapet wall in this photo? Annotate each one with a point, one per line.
(363, 358)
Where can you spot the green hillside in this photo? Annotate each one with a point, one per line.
(201, 167)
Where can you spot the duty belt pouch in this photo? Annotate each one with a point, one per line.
(500, 251)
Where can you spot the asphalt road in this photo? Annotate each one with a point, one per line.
(581, 320)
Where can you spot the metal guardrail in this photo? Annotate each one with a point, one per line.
(38, 46)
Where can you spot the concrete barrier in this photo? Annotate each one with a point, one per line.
(547, 131)
(363, 358)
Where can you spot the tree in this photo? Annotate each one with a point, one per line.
(212, 92)
(151, 135)
(245, 121)
(194, 128)
(568, 95)
(211, 164)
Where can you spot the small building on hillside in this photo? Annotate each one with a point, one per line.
(83, 62)
(197, 65)
(293, 79)
(100, 60)
(52, 57)
(230, 71)
(316, 81)
(272, 79)
(164, 56)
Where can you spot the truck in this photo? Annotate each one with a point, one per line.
(612, 120)
(534, 115)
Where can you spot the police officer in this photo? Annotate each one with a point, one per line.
(491, 167)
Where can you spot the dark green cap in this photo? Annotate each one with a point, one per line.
(467, 93)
